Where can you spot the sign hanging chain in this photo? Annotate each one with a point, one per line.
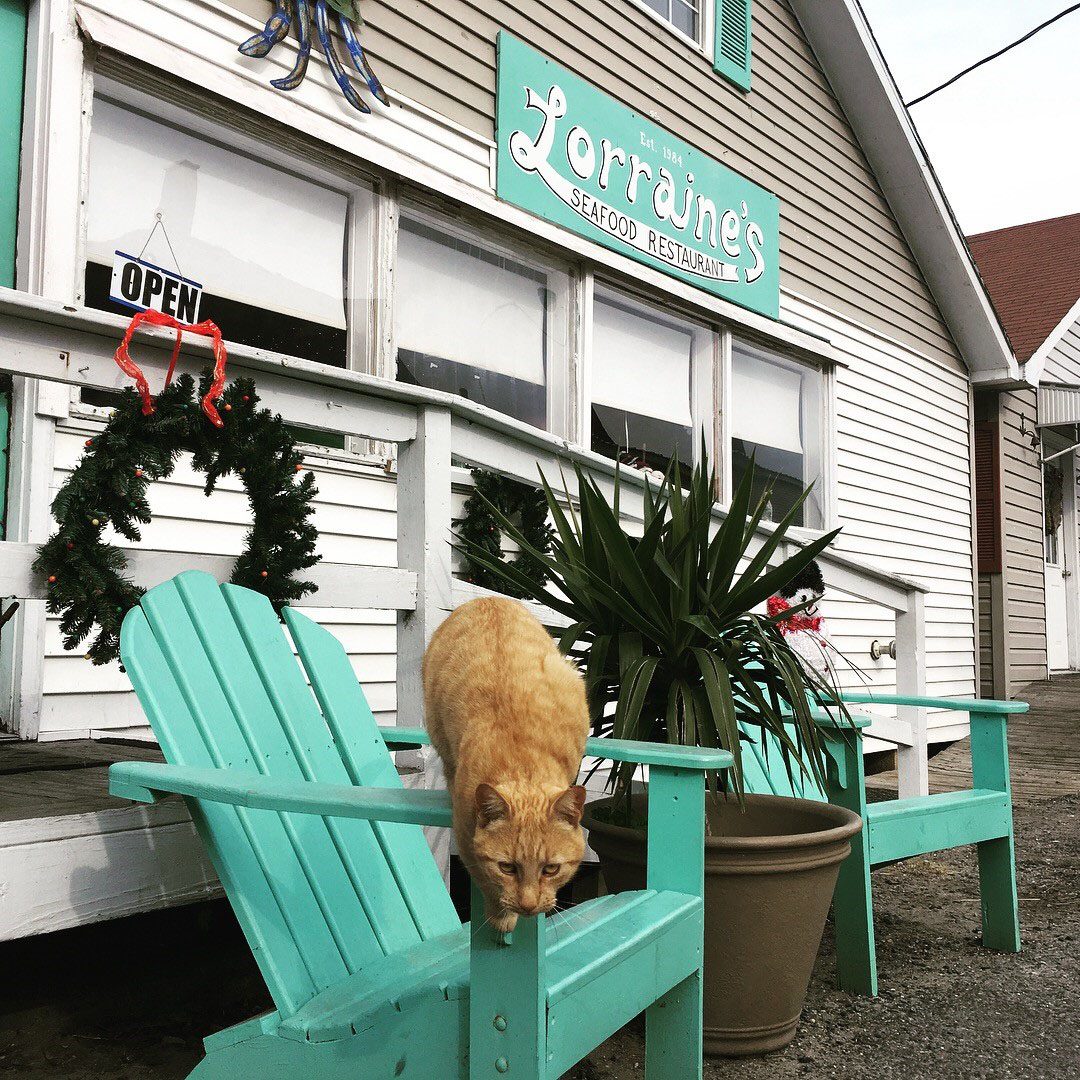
(160, 224)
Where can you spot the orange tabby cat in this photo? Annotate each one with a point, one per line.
(507, 715)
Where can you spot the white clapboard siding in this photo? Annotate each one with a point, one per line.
(1063, 361)
(903, 497)
(356, 518)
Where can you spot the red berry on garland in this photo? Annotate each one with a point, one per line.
(299, 468)
(52, 579)
(247, 397)
(88, 442)
(138, 472)
(228, 408)
(263, 573)
(70, 545)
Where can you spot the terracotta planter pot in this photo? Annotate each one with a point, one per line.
(769, 879)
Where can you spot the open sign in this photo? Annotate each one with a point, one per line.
(142, 286)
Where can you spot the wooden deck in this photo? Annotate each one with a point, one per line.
(52, 779)
(1044, 748)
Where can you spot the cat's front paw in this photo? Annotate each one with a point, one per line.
(504, 922)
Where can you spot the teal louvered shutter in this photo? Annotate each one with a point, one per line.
(731, 57)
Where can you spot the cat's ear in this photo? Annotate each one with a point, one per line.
(490, 805)
(569, 804)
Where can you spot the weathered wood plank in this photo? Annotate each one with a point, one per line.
(67, 871)
(1042, 748)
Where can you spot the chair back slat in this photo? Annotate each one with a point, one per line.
(763, 767)
(341, 896)
(226, 831)
(364, 755)
(367, 862)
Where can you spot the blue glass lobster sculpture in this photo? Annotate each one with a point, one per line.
(298, 13)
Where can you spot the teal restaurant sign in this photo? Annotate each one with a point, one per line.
(569, 153)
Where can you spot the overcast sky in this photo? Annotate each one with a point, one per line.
(1004, 140)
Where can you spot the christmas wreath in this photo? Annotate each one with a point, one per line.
(141, 442)
(480, 526)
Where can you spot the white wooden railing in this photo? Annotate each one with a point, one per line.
(44, 340)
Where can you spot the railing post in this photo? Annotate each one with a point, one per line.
(424, 519)
(423, 544)
(913, 778)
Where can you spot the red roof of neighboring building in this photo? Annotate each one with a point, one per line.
(1032, 273)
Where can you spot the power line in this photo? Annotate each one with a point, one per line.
(992, 56)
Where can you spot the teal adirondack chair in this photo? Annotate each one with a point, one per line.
(319, 849)
(902, 828)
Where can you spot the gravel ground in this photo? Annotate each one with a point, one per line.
(131, 1000)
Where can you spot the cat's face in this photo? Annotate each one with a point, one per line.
(528, 843)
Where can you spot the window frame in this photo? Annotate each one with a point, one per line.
(704, 368)
(560, 372)
(706, 29)
(826, 372)
(359, 187)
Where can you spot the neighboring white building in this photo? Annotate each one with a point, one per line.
(1026, 439)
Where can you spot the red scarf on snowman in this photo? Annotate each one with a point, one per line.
(794, 623)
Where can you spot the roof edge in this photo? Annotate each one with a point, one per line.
(1034, 365)
(849, 55)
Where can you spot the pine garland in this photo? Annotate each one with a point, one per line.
(86, 581)
(481, 527)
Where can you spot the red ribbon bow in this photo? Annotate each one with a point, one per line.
(776, 604)
(203, 329)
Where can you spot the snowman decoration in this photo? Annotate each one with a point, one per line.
(805, 630)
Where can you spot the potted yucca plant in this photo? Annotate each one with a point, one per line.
(666, 628)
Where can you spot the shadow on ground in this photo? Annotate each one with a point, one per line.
(132, 999)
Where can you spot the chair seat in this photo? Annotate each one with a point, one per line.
(582, 944)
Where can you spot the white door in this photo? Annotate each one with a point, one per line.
(1058, 560)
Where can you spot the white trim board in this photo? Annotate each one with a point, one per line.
(845, 47)
(60, 872)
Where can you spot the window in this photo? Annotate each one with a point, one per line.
(642, 382)
(475, 322)
(267, 246)
(776, 416)
(684, 15)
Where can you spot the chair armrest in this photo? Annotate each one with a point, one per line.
(147, 781)
(825, 719)
(696, 758)
(404, 738)
(970, 705)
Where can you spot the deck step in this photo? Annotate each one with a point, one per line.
(901, 828)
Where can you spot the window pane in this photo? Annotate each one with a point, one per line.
(475, 323)
(776, 417)
(640, 386)
(268, 247)
(685, 18)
